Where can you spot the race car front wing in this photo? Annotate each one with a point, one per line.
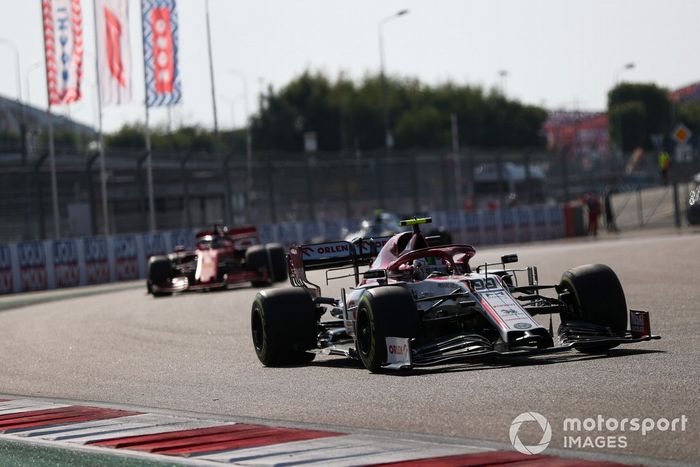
(464, 347)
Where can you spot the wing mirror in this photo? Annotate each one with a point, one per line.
(506, 259)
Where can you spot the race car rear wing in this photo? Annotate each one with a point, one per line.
(242, 237)
(330, 255)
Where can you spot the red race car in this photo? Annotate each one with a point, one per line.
(222, 256)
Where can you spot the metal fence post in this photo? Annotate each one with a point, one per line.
(676, 204)
(228, 194)
(379, 178)
(40, 196)
(414, 183)
(309, 163)
(185, 179)
(346, 190)
(91, 192)
(271, 190)
(528, 176)
(142, 192)
(565, 176)
(640, 210)
(499, 171)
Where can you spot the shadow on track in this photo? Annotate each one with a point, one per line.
(491, 363)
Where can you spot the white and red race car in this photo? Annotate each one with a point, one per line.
(221, 257)
(420, 305)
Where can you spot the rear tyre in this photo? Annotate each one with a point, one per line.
(284, 325)
(595, 297)
(159, 272)
(384, 312)
(278, 262)
(256, 260)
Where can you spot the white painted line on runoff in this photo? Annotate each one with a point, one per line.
(27, 405)
(339, 451)
(135, 425)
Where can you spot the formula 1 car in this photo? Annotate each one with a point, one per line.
(421, 305)
(221, 257)
(382, 224)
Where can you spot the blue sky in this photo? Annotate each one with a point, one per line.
(557, 53)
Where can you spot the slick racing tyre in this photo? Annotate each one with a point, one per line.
(384, 312)
(284, 325)
(595, 298)
(278, 262)
(159, 272)
(256, 259)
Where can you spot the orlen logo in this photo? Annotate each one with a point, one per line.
(366, 245)
(398, 349)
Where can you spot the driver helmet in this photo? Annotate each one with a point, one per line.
(424, 267)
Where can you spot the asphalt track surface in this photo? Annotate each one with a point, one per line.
(193, 352)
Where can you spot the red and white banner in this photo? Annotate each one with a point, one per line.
(63, 49)
(113, 51)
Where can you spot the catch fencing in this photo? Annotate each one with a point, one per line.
(192, 189)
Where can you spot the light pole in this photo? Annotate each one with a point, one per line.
(23, 123)
(627, 66)
(503, 75)
(228, 193)
(27, 87)
(18, 79)
(388, 137)
(22, 108)
(248, 144)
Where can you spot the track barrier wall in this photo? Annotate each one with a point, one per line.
(39, 265)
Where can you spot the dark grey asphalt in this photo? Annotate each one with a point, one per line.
(193, 352)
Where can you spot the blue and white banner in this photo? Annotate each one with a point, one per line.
(96, 260)
(126, 255)
(66, 263)
(160, 57)
(32, 265)
(6, 282)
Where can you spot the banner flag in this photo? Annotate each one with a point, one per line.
(113, 51)
(63, 49)
(160, 52)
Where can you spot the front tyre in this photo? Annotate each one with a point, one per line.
(595, 297)
(160, 271)
(384, 312)
(284, 326)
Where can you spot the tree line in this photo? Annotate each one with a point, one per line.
(348, 115)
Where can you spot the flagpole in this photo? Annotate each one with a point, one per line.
(100, 135)
(228, 210)
(147, 136)
(149, 175)
(52, 150)
(54, 181)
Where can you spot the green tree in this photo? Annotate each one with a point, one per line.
(637, 111)
(688, 113)
(127, 137)
(344, 114)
